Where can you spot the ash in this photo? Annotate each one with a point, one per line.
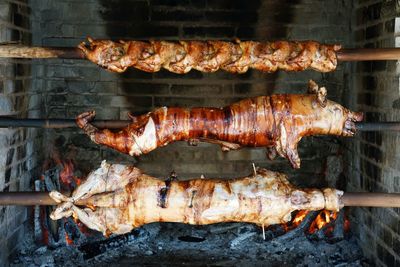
(166, 244)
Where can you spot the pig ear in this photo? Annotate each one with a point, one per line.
(132, 117)
(271, 153)
(321, 92)
(312, 87)
(321, 96)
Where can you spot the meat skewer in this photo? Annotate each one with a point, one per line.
(120, 198)
(354, 199)
(277, 122)
(206, 56)
(7, 122)
(209, 56)
(116, 198)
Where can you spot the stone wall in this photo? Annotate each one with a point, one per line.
(373, 157)
(74, 86)
(18, 146)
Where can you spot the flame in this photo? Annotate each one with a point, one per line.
(68, 240)
(323, 218)
(67, 177)
(298, 218)
(67, 173)
(68, 182)
(346, 225)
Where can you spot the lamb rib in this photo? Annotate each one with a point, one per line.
(277, 122)
(119, 198)
(209, 56)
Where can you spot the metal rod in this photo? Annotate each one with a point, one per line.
(22, 51)
(345, 54)
(31, 199)
(359, 199)
(365, 54)
(384, 200)
(378, 126)
(26, 199)
(6, 122)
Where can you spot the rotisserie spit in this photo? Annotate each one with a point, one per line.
(277, 122)
(210, 56)
(119, 198)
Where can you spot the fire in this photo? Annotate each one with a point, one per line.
(298, 218)
(67, 175)
(323, 218)
(346, 226)
(68, 240)
(68, 182)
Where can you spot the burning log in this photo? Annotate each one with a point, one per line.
(206, 56)
(277, 122)
(117, 198)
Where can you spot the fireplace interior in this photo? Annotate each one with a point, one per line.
(35, 159)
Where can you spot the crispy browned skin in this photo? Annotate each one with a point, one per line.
(209, 56)
(276, 121)
(122, 198)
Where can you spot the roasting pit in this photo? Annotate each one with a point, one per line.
(43, 150)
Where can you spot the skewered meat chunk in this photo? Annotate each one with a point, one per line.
(209, 56)
(277, 122)
(122, 197)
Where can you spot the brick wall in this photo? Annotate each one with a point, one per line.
(18, 147)
(75, 86)
(374, 160)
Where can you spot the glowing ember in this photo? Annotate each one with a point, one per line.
(68, 240)
(346, 225)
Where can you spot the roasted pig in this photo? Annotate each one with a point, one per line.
(209, 56)
(120, 198)
(277, 122)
